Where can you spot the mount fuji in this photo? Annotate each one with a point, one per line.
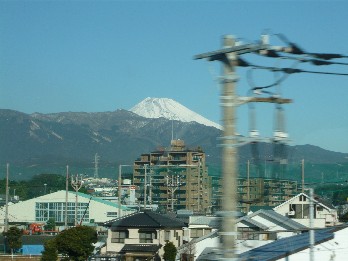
(154, 108)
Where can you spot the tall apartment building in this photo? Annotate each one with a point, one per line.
(174, 179)
(256, 192)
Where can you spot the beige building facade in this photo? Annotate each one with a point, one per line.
(174, 178)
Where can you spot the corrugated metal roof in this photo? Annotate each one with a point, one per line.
(280, 218)
(253, 222)
(204, 220)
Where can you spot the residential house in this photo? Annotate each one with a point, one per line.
(141, 236)
(328, 244)
(254, 230)
(297, 208)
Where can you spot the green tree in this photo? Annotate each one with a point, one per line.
(50, 252)
(50, 224)
(13, 238)
(169, 251)
(76, 243)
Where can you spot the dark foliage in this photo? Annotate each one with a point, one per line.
(76, 243)
(50, 252)
(13, 238)
(169, 251)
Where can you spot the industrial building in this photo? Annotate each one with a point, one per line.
(83, 209)
(174, 179)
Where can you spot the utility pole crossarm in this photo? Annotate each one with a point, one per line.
(270, 100)
(220, 54)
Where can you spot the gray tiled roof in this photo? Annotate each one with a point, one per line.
(214, 222)
(146, 219)
(252, 221)
(280, 218)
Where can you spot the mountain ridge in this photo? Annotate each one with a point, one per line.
(120, 137)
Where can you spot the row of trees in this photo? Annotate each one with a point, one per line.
(37, 186)
(73, 244)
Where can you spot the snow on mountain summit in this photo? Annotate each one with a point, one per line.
(169, 109)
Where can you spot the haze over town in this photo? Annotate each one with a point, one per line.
(101, 56)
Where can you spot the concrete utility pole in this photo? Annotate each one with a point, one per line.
(76, 184)
(230, 157)
(173, 184)
(66, 197)
(119, 190)
(6, 206)
(145, 185)
(228, 55)
(311, 225)
(302, 164)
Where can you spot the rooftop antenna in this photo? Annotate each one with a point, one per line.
(96, 161)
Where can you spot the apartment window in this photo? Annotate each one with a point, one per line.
(147, 236)
(196, 232)
(248, 233)
(119, 236)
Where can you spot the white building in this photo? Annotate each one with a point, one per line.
(53, 205)
(297, 208)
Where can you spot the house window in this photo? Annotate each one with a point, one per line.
(248, 233)
(166, 235)
(302, 198)
(301, 211)
(147, 236)
(119, 236)
(111, 214)
(196, 232)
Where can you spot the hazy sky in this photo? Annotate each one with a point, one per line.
(95, 56)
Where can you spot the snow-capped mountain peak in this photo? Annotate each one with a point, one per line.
(169, 109)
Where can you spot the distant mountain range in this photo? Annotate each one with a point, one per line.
(121, 136)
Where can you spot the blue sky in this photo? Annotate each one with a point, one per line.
(97, 56)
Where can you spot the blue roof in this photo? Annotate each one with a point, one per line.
(277, 249)
(286, 246)
(32, 249)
